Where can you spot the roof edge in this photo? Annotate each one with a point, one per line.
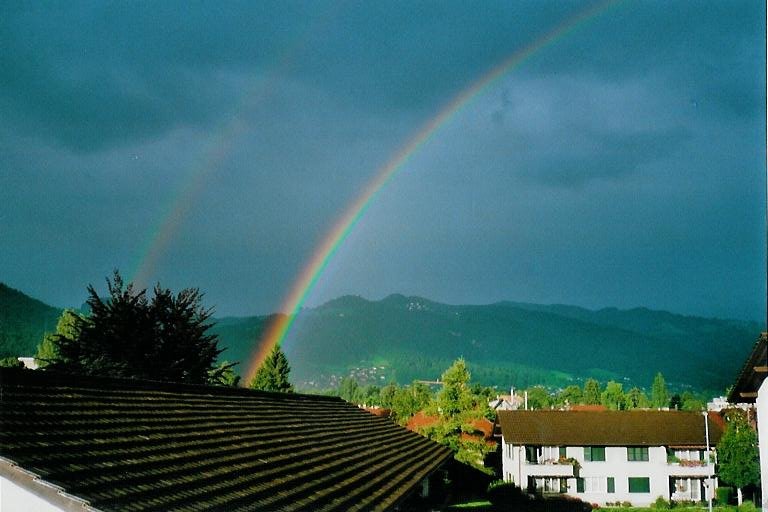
(44, 490)
(12, 376)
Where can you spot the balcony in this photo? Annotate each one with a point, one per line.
(689, 468)
(552, 468)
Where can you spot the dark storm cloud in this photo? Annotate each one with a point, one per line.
(621, 163)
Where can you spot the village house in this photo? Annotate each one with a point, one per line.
(90, 443)
(610, 456)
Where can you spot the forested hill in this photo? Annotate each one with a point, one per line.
(507, 343)
(23, 321)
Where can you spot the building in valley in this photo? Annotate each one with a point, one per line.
(610, 456)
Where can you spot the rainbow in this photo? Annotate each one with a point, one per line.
(279, 327)
(215, 153)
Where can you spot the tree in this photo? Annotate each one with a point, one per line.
(538, 398)
(10, 362)
(692, 402)
(127, 335)
(613, 396)
(737, 454)
(66, 327)
(659, 392)
(409, 400)
(226, 374)
(591, 392)
(387, 394)
(349, 389)
(636, 399)
(571, 395)
(272, 375)
(455, 396)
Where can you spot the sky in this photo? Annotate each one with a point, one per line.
(214, 145)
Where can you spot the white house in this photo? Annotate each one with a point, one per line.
(608, 456)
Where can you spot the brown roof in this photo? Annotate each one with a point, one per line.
(608, 428)
(749, 379)
(588, 407)
(421, 420)
(132, 445)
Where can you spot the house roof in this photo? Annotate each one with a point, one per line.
(132, 445)
(606, 428)
(752, 374)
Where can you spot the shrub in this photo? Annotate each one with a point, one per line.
(748, 506)
(505, 494)
(723, 495)
(661, 504)
(626, 504)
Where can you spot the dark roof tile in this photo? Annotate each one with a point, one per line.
(607, 428)
(138, 446)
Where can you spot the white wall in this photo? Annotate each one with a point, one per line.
(616, 465)
(14, 498)
(762, 433)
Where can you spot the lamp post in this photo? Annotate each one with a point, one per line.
(709, 468)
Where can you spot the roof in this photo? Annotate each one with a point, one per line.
(136, 445)
(607, 428)
(421, 420)
(752, 374)
(588, 407)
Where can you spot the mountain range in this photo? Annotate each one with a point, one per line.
(505, 344)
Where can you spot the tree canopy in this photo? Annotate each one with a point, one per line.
(272, 375)
(659, 392)
(455, 397)
(737, 454)
(128, 335)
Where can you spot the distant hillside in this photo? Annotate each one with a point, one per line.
(23, 321)
(406, 338)
(508, 343)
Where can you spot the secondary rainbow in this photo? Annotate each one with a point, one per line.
(278, 329)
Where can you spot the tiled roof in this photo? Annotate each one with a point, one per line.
(607, 428)
(749, 379)
(136, 446)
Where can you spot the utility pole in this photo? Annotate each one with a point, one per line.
(709, 467)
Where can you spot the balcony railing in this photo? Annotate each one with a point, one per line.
(550, 467)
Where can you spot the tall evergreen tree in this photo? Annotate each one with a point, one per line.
(592, 392)
(273, 373)
(659, 392)
(128, 335)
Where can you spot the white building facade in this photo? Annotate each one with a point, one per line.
(607, 457)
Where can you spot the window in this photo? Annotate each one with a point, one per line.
(562, 452)
(549, 453)
(550, 485)
(579, 485)
(594, 453)
(637, 453)
(510, 452)
(611, 484)
(594, 484)
(639, 484)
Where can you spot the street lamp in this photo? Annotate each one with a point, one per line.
(709, 469)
